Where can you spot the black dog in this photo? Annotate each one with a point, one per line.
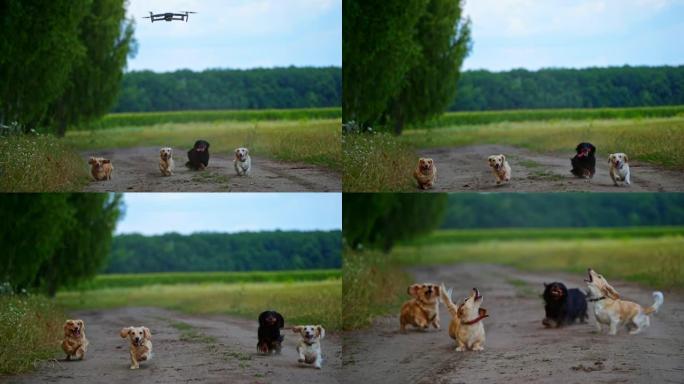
(563, 306)
(584, 162)
(270, 339)
(198, 156)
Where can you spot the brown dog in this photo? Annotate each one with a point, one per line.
(423, 309)
(426, 173)
(75, 343)
(100, 168)
(466, 321)
(141, 344)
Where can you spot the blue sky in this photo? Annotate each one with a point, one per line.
(157, 213)
(238, 34)
(537, 34)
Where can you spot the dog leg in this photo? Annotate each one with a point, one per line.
(80, 353)
(301, 358)
(68, 358)
(134, 362)
(435, 323)
(461, 346)
(612, 176)
(598, 327)
(477, 346)
(627, 179)
(318, 362)
(613, 327)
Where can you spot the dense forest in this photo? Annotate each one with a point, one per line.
(247, 251)
(570, 88)
(563, 210)
(291, 87)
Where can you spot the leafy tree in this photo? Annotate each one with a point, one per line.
(382, 219)
(95, 79)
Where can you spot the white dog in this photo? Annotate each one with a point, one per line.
(166, 161)
(309, 347)
(619, 169)
(501, 169)
(242, 162)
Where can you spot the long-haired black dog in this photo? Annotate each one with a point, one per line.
(563, 306)
(198, 156)
(584, 162)
(270, 339)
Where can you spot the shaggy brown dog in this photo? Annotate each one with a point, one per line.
(426, 173)
(141, 344)
(75, 343)
(423, 309)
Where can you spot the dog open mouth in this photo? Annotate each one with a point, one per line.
(76, 332)
(589, 279)
(477, 294)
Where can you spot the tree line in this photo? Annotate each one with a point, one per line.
(570, 88)
(246, 251)
(291, 87)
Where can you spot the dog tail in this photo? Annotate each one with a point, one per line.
(445, 295)
(658, 301)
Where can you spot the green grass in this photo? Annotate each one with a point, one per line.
(191, 334)
(490, 117)
(141, 119)
(308, 141)
(300, 302)
(39, 163)
(377, 162)
(656, 262)
(30, 331)
(654, 140)
(447, 236)
(172, 278)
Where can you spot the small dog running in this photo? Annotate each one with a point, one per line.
(140, 344)
(423, 309)
(75, 343)
(242, 162)
(500, 167)
(426, 173)
(309, 346)
(100, 168)
(584, 162)
(619, 169)
(166, 164)
(563, 306)
(270, 339)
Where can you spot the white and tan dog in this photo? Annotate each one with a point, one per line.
(466, 321)
(100, 168)
(610, 310)
(500, 167)
(423, 309)
(166, 164)
(619, 169)
(141, 344)
(242, 162)
(75, 343)
(309, 346)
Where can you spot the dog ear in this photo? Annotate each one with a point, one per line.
(82, 324)
(610, 159)
(626, 158)
(66, 327)
(459, 311)
(545, 285)
(437, 290)
(106, 161)
(592, 148)
(124, 332)
(412, 290)
(320, 331)
(297, 329)
(281, 320)
(610, 292)
(147, 333)
(92, 160)
(503, 158)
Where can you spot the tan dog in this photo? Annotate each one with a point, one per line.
(309, 346)
(425, 173)
(141, 344)
(423, 309)
(619, 169)
(610, 310)
(75, 343)
(466, 321)
(500, 167)
(166, 164)
(100, 168)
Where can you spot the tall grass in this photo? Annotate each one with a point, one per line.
(309, 141)
(376, 162)
(315, 302)
(140, 119)
(39, 163)
(30, 331)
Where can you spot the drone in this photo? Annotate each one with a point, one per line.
(169, 16)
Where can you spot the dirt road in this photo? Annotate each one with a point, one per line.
(466, 169)
(186, 349)
(518, 349)
(137, 170)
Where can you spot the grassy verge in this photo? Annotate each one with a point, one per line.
(656, 262)
(372, 286)
(39, 163)
(30, 331)
(309, 141)
(658, 140)
(377, 162)
(294, 300)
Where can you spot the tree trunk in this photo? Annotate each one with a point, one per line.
(61, 128)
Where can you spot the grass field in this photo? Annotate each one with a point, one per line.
(30, 331)
(309, 141)
(115, 120)
(241, 299)
(378, 162)
(172, 278)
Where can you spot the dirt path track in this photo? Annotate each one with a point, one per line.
(220, 349)
(466, 169)
(518, 349)
(137, 170)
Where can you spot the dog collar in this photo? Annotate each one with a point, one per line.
(597, 299)
(475, 320)
(307, 343)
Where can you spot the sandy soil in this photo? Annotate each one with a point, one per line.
(466, 169)
(518, 348)
(223, 351)
(137, 170)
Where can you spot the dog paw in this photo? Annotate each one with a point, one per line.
(300, 360)
(460, 349)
